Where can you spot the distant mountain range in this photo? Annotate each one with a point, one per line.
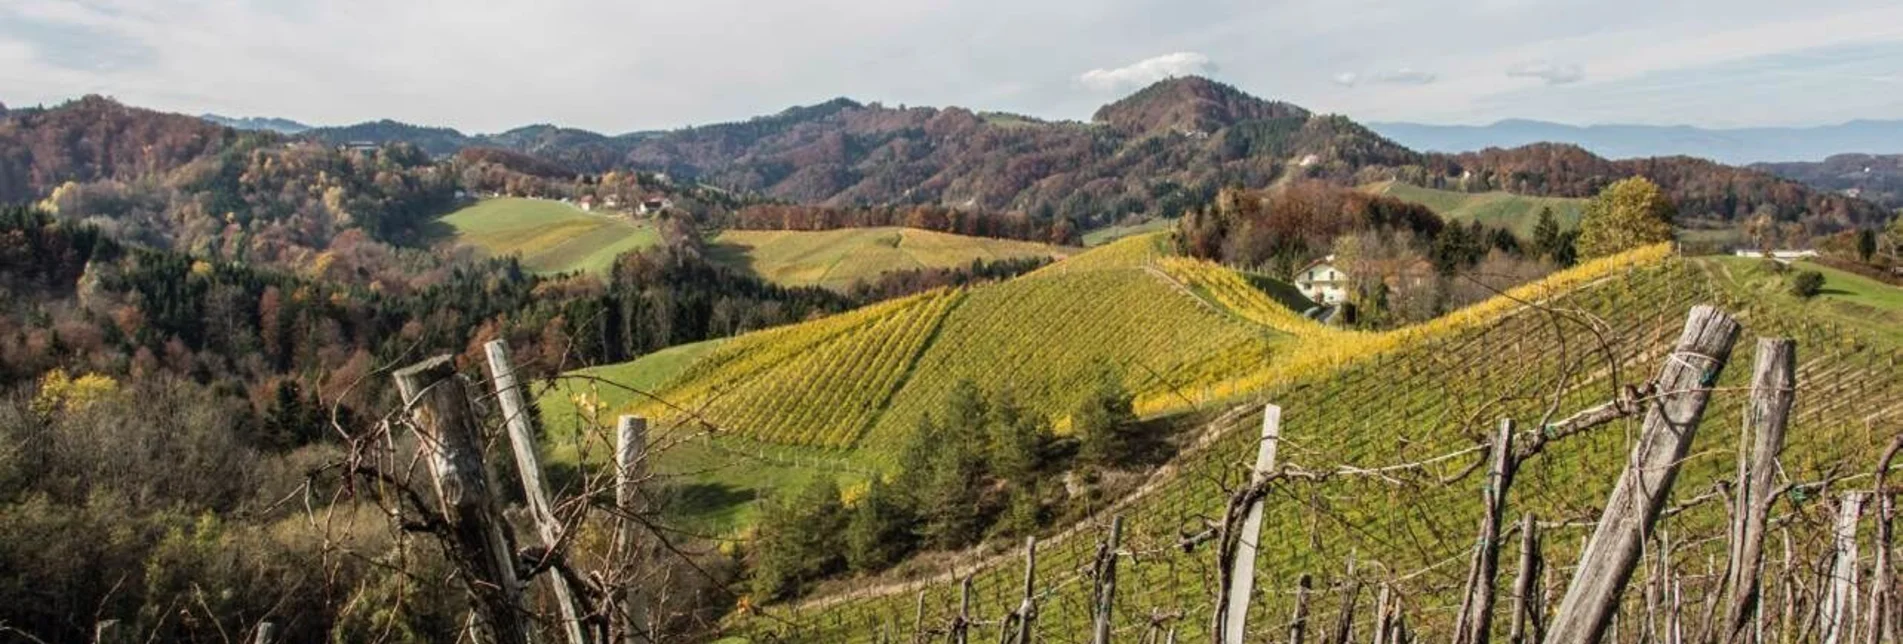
(280, 126)
(1733, 146)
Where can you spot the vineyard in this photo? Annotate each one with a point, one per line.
(1390, 444)
(838, 258)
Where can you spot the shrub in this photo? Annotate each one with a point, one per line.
(1807, 284)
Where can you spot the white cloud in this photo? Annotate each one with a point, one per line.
(1404, 76)
(1346, 79)
(1553, 74)
(1146, 71)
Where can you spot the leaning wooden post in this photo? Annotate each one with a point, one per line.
(1527, 613)
(1232, 608)
(1298, 626)
(1882, 596)
(1107, 582)
(515, 416)
(962, 625)
(1027, 611)
(1838, 613)
(1350, 595)
(267, 632)
(477, 537)
(1684, 385)
(1476, 609)
(1381, 607)
(109, 631)
(630, 623)
(1773, 388)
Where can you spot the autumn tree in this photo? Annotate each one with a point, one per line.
(1627, 214)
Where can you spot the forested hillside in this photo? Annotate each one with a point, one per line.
(1875, 178)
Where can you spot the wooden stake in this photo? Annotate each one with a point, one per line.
(1527, 613)
(267, 632)
(1476, 608)
(1298, 627)
(1882, 596)
(1773, 388)
(1839, 608)
(630, 610)
(515, 416)
(1350, 594)
(962, 625)
(1232, 607)
(1106, 582)
(477, 538)
(1606, 564)
(1027, 611)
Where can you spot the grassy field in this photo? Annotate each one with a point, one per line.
(837, 258)
(1518, 213)
(1847, 298)
(1106, 235)
(549, 236)
(1424, 401)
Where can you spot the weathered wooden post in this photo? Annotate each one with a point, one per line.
(1232, 608)
(918, 619)
(1684, 386)
(1476, 608)
(478, 539)
(1527, 612)
(1350, 595)
(1104, 600)
(1882, 596)
(1382, 621)
(267, 632)
(515, 416)
(1298, 626)
(1027, 610)
(109, 631)
(1773, 388)
(630, 619)
(962, 625)
(1838, 613)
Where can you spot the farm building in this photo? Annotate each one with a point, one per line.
(1322, 281)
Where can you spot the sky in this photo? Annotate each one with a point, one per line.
(624, 65)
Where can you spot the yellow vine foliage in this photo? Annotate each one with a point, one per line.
(1321, 353)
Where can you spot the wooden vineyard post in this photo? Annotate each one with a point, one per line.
(1606, 564)
(1773, 388)
(962, 625)
(1350, 594)
(515, 417)
(918, 618)
(1298, 625)
(1027, 610)
(1882, 597)
(1476, 609)
(1838, 613)
(476, 536)
(1106, 582)
(1527, 612)
(109, 631)
(1382, 624)
(267, 632)
(1232, 607)
(629, 607)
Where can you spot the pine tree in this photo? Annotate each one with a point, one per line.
(880, 531)
(799, 541)
(1105, 423)
(1017, 437)
(1546, 234)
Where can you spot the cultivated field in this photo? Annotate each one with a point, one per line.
(1517, 213)
(549, 236)
(837, 258)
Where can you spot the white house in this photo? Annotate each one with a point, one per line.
(1322, 281)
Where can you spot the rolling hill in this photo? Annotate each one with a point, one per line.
(1877, 178)
(1518, 213)
(1426, 400)
(838, 258)
(1737, 146)
(549, 236)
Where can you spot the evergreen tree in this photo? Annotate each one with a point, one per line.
(880, 531)
(1546, 234)
(799, 541)
(1017, 438)
(1105, 423)
(1866, 245)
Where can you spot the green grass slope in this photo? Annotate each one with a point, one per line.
(549, 236)
(837, 258)
(1429, 401)
(1517, 213)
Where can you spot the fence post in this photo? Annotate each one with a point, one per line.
(1882, 596)
(1107, 581)
(1527, 612)
(108, 631)
(1298, 627)
(629, 607)
(267, 632)
(1773, 388)
(1839, 609)
(1350, 594)
(478, 539)
(1476, 609)
(1027, 611)
(1607, 562)
(515, 416)
(1232, 607)
(962, 625)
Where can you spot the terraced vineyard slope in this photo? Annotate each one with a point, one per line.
(1392, 439)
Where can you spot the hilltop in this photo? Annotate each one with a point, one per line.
(1736, 146)
(1191, 104)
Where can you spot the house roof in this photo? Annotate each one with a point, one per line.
(1327, 259)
